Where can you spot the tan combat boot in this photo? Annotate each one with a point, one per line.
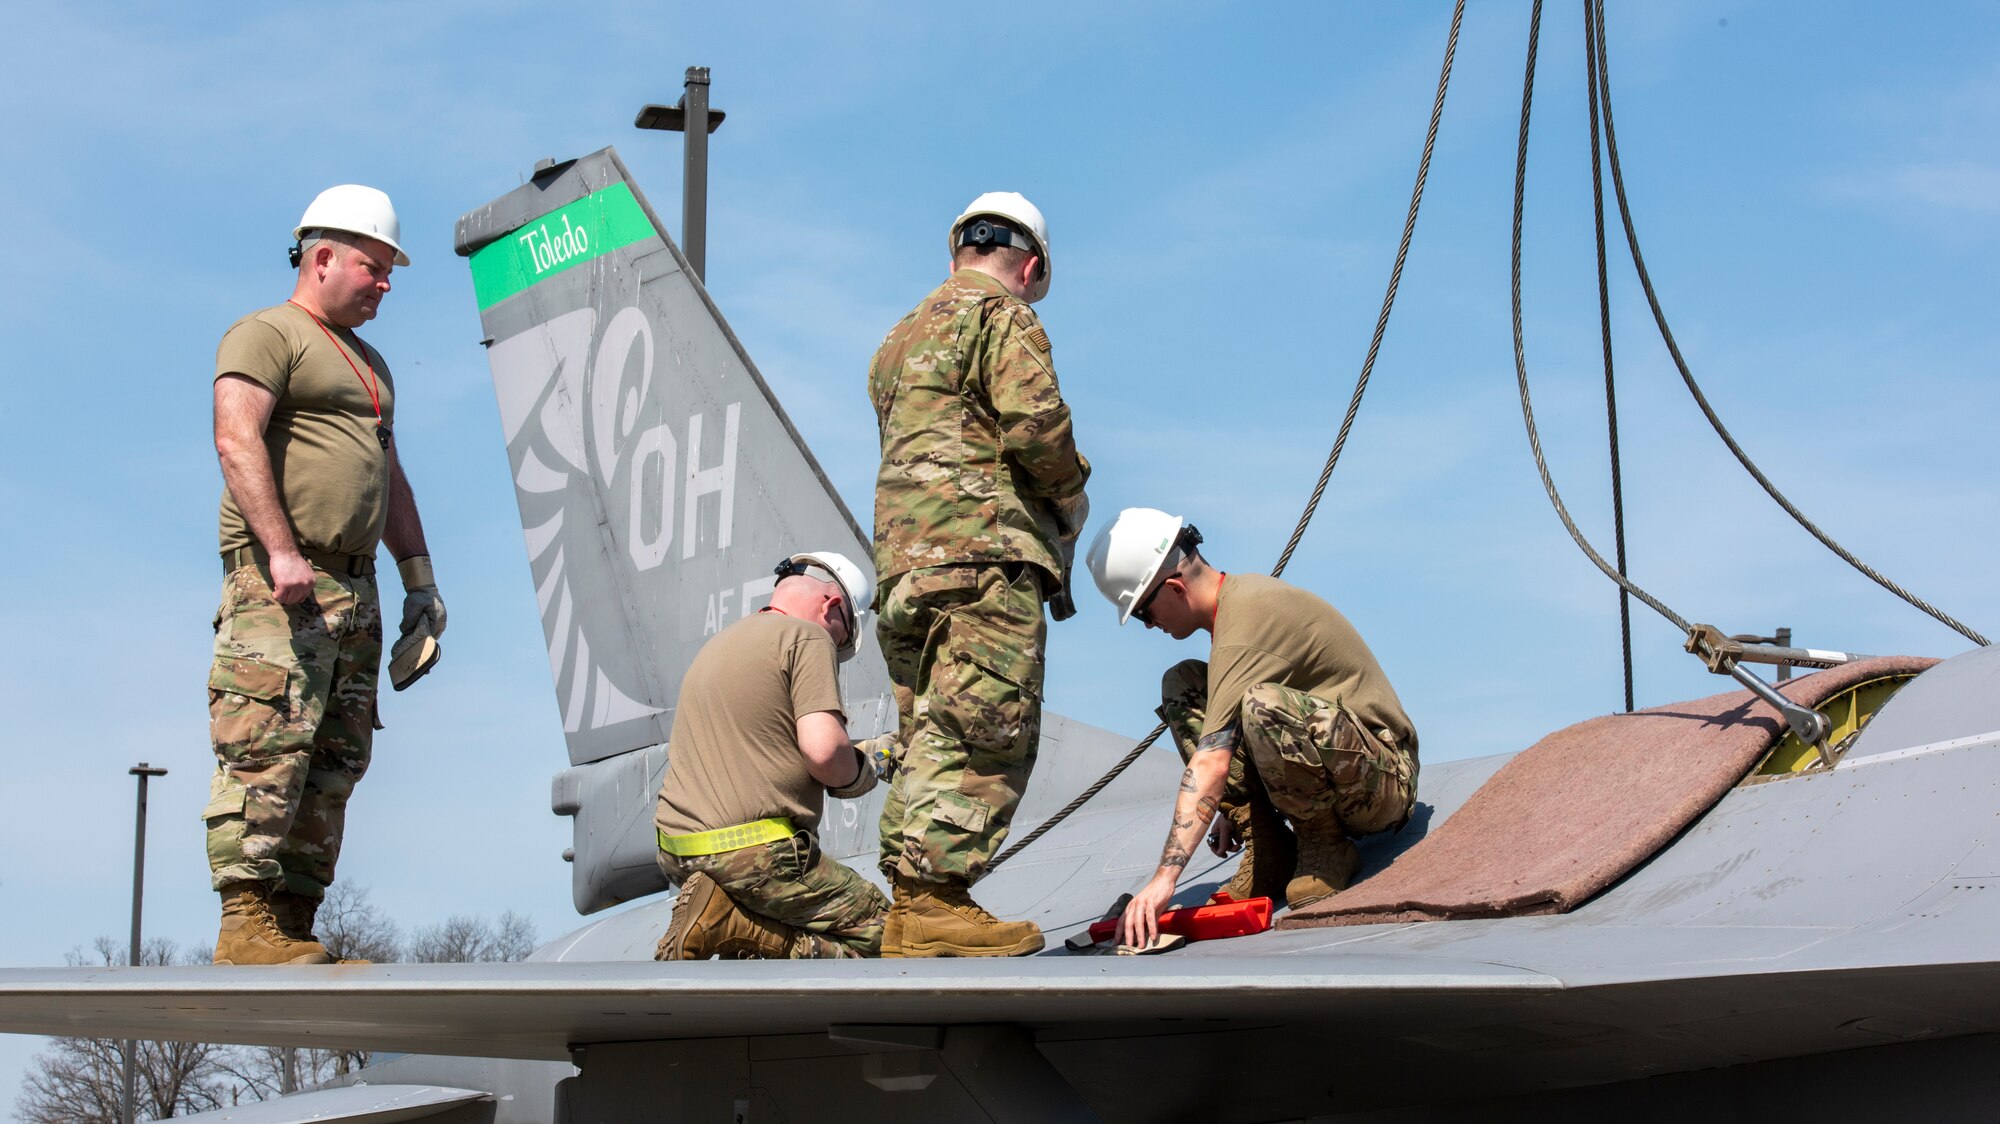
(941, 919)
(892, 922)
(251, 933)
(706, 923)
(1327, 861)
(296, 914)
(1270, 852)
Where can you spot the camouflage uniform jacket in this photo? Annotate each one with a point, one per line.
(978, 463)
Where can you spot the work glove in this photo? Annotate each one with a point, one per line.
(883, 755)
(421, 603)
(417, 650)
(1071, 514)
(1061, 605)
(865, 777)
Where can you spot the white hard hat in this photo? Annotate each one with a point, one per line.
(1015, 208)
(356, 210)
(855, 588)
(1127, 558)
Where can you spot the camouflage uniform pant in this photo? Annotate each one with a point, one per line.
(1183, 701)
(291, 704)
(792, 881)
(1310, 756)
(964, 648)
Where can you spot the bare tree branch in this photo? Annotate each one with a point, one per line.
(80, 1080)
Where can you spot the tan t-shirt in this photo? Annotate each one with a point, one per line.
(331, 471)
(1269, 632)
(734, 753)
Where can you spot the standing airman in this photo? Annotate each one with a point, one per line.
(304, 417)
(978, 504)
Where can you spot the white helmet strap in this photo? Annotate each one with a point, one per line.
(792, 568)
(298, 250)
(987, 230)
(1176, 555)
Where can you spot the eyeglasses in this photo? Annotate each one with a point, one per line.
(1143, 611)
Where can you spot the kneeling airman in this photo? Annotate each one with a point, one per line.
(1291, 717)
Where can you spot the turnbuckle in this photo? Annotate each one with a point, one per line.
(1724, 656)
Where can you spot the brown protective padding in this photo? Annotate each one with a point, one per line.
(1580, 808)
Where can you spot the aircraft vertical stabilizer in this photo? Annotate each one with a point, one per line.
(658, 481)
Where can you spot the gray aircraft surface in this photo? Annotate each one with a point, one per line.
(1818, 939)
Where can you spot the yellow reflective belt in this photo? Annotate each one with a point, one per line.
(727, 838)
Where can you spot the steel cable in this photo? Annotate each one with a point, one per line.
(1520, 353)
(1604, 330)
(1388, 298)
(1346, 424)
(1687, 376)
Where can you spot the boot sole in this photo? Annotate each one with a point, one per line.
(1301, 903)
(309, 958)
(943, 949)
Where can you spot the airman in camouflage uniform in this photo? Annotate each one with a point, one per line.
(304, 411)
(977, 506)
(1291, 717)
(759, 741)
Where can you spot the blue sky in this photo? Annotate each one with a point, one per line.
(1816, 187)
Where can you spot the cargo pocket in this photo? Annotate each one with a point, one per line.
(224, 802)
(249, 677)
(977, 699)
(1295, 725)
(246, 703)
(1287, 737)
(1370, 777)
(791, 858)
(962, 812)
(914, 601)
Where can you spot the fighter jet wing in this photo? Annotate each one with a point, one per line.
(541, 1010)
(357, 1104)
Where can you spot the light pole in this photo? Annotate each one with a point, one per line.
(143, 771)
(691, 117)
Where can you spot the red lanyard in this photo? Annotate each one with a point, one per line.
(370, 382)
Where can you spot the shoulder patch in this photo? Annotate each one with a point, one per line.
(1039, 338)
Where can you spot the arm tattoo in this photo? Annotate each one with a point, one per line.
(1187, 823)
(1224, 738)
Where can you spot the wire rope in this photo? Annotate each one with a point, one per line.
(1388, 298)
(1346, 424)
(1604, 330)
(1520, 351)
(1687, 376)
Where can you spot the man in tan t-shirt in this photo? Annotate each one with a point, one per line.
(759, 740)
(1290, 708)
(304, 411)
